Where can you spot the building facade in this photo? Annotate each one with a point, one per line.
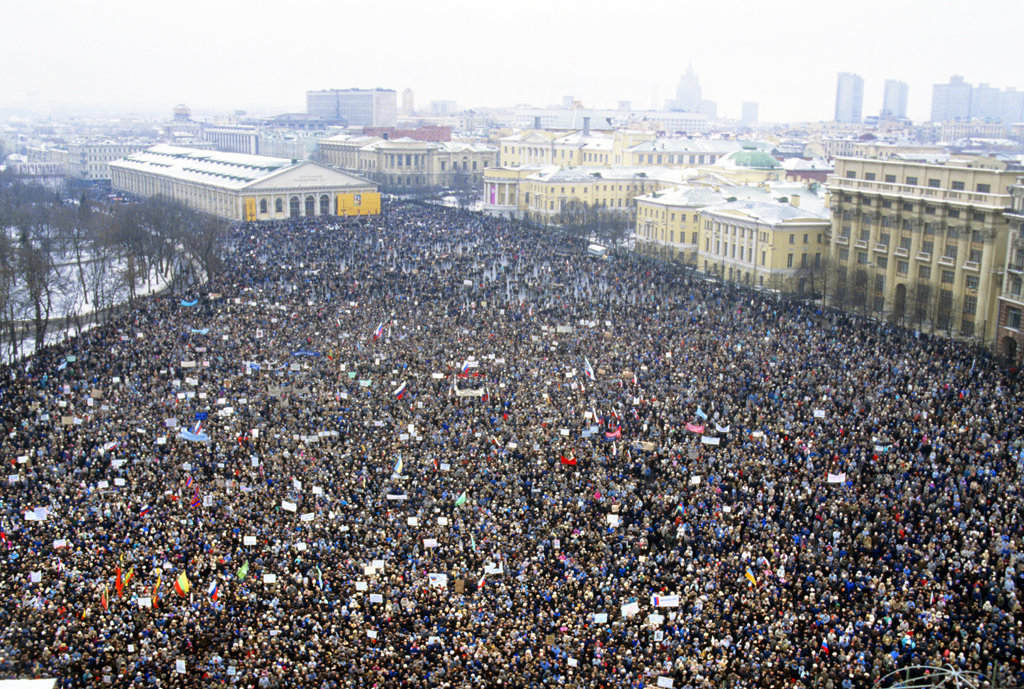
(234, 139)
(89, 161)
(1010, 329)
(849, 98)
(894, 101)
(236, 186)
(921, 244)
(951, 101)
(408, 166)
(356, 107)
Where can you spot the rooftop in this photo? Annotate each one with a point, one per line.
(217, 168)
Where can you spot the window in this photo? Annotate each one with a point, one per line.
(803, 260)
(862, 258)
(817, 260)
(907, 206)
(886, 203)
(933, 183)
(970, 305)
(792, 239)
(958, 186)
(763, 258)
(1013, 318)
(851, 175)
(263, 206)
(974, 255)
(978, 216)
(948, 277)
(870, 176)
(880, 283)
(928, 247)
(902, 267)
(930, 210)
(279, 205)
(891, 179)
(806, 239)
(912, 181)
(865, 235)
(953, 212)
(984, 189)
(844, 254)
(883, 239)
(882, 262)
(971, 282)
(924, 272)
(789, 261)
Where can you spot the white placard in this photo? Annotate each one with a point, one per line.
(442, 521)
(248, 540)
(376, 598)
(600, 618)
(837, 478)
(179, 666)
(429, 542)
(613, 520)
(145, 602)
(290, 506)
(307, 516)
(819, 413)
(361, 586)
(317, 490)
(118, 481)
(269, 578)
(413, 521)
(665, 682)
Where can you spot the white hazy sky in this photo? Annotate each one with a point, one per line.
(215, 55)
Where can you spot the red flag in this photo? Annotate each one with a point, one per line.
(570, 461)
(103, 598)
(118, 585)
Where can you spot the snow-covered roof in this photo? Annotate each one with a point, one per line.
(681, 145)
(769, 212)
(214, 168)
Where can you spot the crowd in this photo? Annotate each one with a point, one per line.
(434, 449)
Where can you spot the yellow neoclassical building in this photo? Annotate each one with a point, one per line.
(772, 236)
(922, 244)
(405, 165)
(238, 186)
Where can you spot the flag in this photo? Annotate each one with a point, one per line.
(118, 584)
(400, 391)
(243, 571)
(587, 368)
(483, 580)
(182, 585)
(570, 461)
(156, 589)
(751, 577)
(128, 577)
(188, 481)
(397, 471)
(104, 598)
(144, 510)
(617, 433)
(824, 645)
(435, 463)
(461, 500)
(472, 542)
(196, 501)
(700, 413)
(378, 332)
(214, 590)
(319, 577)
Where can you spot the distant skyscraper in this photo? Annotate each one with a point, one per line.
(688, 93)
(985, 103)
(567, 102)
(894, 105)
(357, 107)
(951, 101)
(407, 102)
(849, 98)
(750, 114)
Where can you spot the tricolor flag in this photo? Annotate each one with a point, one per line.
(182, 586)
(465, 365)
(188, 481)
(196, 500)
(214, 590)
(156, 589)
(483, 580)
(750, 575)
(587, 368)
(144, 510)
(400, 391)
(824, 645)
(378, 332)
(461, 500)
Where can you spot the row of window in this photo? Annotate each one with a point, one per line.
(933, 183)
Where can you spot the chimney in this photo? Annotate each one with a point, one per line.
(536, 122)
(586, 126)
(794, 200)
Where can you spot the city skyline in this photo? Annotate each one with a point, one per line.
(229, 60)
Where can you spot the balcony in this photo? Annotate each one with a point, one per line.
(924, 256)
(948, 261)
(900, 252)
(842, 240)
(882, 248)
(972, 265)
(861, 244)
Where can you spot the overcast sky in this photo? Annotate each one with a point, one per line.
(216, 56)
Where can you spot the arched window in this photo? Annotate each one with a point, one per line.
(293, 206)
(279, 205)
(325, 204)
(310, 206)
(263, 206)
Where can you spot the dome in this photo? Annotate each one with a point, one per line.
(751, 159)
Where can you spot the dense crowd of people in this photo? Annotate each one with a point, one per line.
(435, 449)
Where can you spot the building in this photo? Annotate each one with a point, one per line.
(668, 122)
(921, 244)
(355, 107)
(688, 93)
(49, 175)
(234, 138)
(749, 113)
(951, 101)
(1010, 328)
(88, 160)
(430, 132)
(807, 170)
(849, 98)
(236, 186)
(894, 101)
(408, 166)
(408, 106)
(957, 130)
(771, 236)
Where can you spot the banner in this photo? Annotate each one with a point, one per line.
(194, 437)
(694, 428)
(837, 478)
(189, 303)
(306, 352)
